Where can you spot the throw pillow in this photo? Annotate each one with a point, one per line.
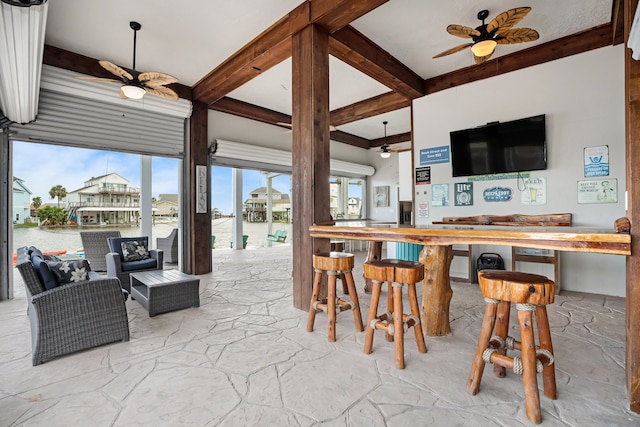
(134, 251)
(69, 271)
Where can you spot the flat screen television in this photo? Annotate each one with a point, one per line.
(515, 146)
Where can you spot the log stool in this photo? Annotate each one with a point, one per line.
(394, 322)
(333, 264)
(530, 293)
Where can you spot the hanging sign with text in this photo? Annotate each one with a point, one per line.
(497, 194)
(463, 193)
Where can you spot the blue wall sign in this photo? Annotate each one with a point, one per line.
(497, 194)
(433, 155)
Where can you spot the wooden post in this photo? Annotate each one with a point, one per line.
(436, 289)
(632, 102)
(200, 222)
(310, 151)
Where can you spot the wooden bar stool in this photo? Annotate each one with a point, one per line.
(333, 264)
(531, 293)
(394, 322)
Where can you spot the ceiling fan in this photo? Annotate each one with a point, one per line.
(486, 36)
(137, 83)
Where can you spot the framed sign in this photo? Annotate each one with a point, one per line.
(440, 195)
(596, 161)
(463, 193)
(382, 196)
(201, 189)
(598, 191)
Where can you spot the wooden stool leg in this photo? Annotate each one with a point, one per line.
(314, 297)
(502, 330)
(398, 327)
(373, 313)
(415, 310)
(353, 296)
(477, 364)
(544, 336)
(530, 382)
(331, 306)
(390, 308)
(345, 286)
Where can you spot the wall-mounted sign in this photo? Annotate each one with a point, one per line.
(497, 194)
(596, 161)
(496, 176)
(535, 191)
(433, 155)
(423, 210)
(463, 193)
(423, 175)
(440, 195)
(598, 191)
(201, 189)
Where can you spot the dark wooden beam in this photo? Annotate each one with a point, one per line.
(391, 139)
(336, 14)
(71, 61)
(200, 223)
(632, 155)
(353, 48)
(617, 21)
(273, 45)
(380, 104)
(584, 41)
(351, 139)
(250, 111)
(310, 150)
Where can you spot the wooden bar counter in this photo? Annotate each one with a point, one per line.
(437, 252)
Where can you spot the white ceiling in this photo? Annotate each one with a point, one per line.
(189, 39)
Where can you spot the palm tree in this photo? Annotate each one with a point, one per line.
(58, 191)
(36, 202)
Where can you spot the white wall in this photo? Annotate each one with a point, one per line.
(582, 97)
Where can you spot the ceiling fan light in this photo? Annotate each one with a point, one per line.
(484, 48)
(133, 91)
(385, 154)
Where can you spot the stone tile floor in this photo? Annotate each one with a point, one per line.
(244, 358)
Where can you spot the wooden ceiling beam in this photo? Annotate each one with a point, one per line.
(250, 111)
(584, 41)
(71, 61)
(390, 139)
(374, 106)
(336, 14)
(350, 139)
(352, 47)
(273, 45)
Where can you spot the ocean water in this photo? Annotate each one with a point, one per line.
(68, 238)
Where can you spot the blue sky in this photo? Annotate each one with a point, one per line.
(43, 166)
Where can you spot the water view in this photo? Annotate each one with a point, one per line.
(68, 238)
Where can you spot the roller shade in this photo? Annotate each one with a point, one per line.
(247, 156)
(85, 114)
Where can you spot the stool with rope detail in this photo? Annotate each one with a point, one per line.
(531, 293)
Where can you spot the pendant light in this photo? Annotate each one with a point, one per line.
(384, 150)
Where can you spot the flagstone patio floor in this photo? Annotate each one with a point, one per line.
(244, 358)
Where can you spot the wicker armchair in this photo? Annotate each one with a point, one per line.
(96, 247)
(117, 267)
(74, 316)
(169, 245)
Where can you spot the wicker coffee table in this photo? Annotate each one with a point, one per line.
(160, 291)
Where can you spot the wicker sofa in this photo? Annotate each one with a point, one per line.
(74, 316)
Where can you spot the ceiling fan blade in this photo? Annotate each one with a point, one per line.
(114, 69)
(155, 79)
(507, 19)
(162, 92)
(98, 79)
(462, 31)
(517, 35)
(122, 95)
(453, 50)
